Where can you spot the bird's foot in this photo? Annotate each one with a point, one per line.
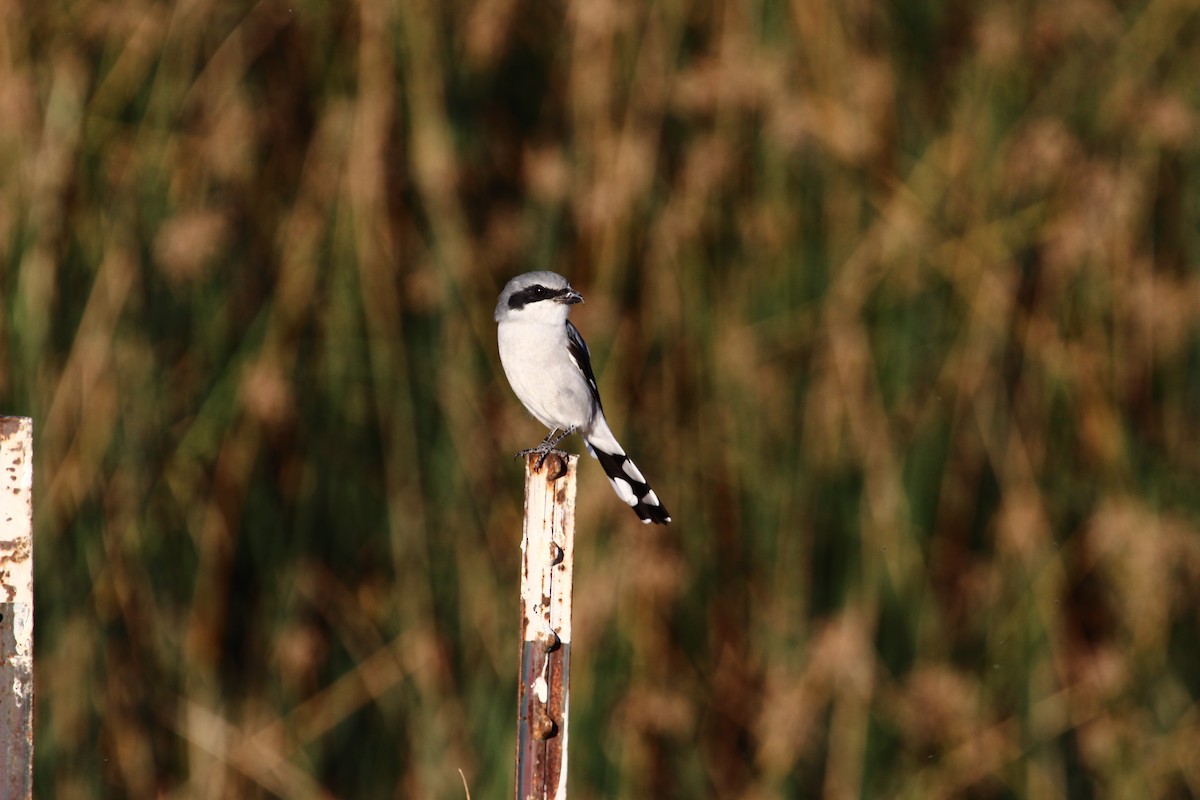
(543, 453)
(548, 446)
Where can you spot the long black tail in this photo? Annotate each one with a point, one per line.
(627, 480)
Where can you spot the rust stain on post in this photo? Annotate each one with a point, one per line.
(547, 559)
(16, 607)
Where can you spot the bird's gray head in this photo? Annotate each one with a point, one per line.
(537, 295)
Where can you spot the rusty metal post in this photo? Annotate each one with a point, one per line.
(547, 567)
(16, 608)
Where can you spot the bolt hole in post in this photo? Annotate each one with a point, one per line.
(547, 573)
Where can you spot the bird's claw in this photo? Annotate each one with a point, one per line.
(548, 446)
(544, 454)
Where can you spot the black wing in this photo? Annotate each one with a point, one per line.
(578, 349)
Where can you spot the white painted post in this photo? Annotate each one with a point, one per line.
(547, 574)
(16, 608)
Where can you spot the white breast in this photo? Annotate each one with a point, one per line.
(542, 375)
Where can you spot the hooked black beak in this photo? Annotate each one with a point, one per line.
(570, 297)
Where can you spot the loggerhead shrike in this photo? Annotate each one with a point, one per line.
(550, 369)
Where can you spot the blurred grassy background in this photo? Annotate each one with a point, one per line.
(896, 304)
